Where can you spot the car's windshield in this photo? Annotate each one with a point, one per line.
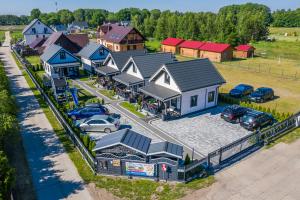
(247, 118)
(110, 120)
(240, 87)
(259, 90)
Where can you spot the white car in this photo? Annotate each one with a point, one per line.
(99, 123)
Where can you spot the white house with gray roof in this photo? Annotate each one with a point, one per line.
(59, 63)
(185, 87)
(36, 29)
(92, 56)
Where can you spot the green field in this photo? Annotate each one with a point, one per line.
(286, 34)
(16, 35)
(34, 60)
(2, 36)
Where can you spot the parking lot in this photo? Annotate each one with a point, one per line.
(204, 131)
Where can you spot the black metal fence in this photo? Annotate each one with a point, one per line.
(71, 134)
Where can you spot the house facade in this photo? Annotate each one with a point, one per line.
(137, 72)
(171, 45)
(92, 56)
(129, 153)
(190, 48)
(216, 52)
(76, 26)
(117, 37)
(244, 51)
(36, 29)
(184, 87)
(59, 63)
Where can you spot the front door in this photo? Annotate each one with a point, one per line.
(65, 71)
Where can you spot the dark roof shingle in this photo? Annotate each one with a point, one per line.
(166, 147)
(89, 49)
(122, 57)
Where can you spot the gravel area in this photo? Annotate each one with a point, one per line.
(204, 131)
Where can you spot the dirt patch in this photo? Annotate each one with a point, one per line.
(98, 193)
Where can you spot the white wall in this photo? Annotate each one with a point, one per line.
(130, 71)
(202, 101)
(161, 81)
(110, 64)
(39, 27)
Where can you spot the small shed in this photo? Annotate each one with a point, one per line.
(244, 51)
(190, 48)
(171, 45)
(216, 52)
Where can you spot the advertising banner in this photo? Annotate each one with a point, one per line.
(140, 169)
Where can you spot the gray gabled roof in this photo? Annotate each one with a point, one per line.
(159, 92)
(166, 148)
(127, 79)
(106, 70)
(29, 25)
(148, 64)
(50, 52)
(90, 49)
(120, 58)
(125, 137)
(194, 74)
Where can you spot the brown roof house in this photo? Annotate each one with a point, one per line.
(216, 52)
(171, 45)
(120, 38)
(244, 51)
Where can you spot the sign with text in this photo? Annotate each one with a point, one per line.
(139, 169)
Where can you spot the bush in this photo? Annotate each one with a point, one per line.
(187, 159)
(86, 140)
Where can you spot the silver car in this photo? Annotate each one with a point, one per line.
(99, 123)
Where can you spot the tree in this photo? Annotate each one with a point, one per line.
(187, 159)
(66, 16)
(6, 177)
(79, 15)
(97, 19)
(35, 14)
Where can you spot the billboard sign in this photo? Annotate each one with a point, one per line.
(139, 169)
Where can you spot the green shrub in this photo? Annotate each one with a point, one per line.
(187, 159)
(86, 140)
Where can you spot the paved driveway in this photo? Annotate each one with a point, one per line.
(53, 173)
(204, 131)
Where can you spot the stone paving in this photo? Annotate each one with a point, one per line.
(204, 131)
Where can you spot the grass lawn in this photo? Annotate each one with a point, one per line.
(16, 35)
(132, 108)
(121, 187)
(279, 33)
(288, 138)
(2, 36)
(34, 60)
(108, 93)
(153, 45)
(12, 27)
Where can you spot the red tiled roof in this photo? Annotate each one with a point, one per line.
(244, 47)
(190, 44)
(214, 47)
(172, 41)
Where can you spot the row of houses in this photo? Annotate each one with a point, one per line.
(216, 52)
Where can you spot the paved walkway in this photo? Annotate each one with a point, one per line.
(272, 174)
(54, 175)
(149, 129)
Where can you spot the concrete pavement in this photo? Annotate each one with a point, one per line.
(53, 173)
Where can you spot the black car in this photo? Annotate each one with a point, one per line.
(255, 120)
(233, 113)
(241, 90)
(262, 94)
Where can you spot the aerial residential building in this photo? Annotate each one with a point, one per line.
(171, 45)
(216, 52)
(118, 37)
(184, 87)
(36, 29)
(60, 28)
(92, 56)
(76, 27)
(190, 48)
(244, 51)
(59, 63)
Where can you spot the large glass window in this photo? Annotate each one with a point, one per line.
(194, 100)
(167, 78)
(211, 96)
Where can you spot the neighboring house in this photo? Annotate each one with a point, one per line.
(80, 39)
(171, 45)
(138, 70)
(120, 38)
(36, 29)
(37, 43)
(76, 26)
(59, 88)
(129, 153)
(92, 56)
(185, 87)
(68, 42)
(190, 48)
(244, 51)
(115, 61)
(216, 52)
(59, 63)
(60, 28)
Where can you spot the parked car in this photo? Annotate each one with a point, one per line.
(262, 94)
(99, 123)
(255, 120)
(233, 113)
(85, 112)
(241, 90)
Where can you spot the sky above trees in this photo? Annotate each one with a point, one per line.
(19, 7)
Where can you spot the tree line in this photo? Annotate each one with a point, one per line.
(232, 24)
(286, 18)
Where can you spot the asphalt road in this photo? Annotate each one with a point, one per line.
(54, 174)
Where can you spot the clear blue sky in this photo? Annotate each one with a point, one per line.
(19, 7)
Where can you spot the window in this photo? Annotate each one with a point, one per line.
(167, 78)
(43, 36)
(101, 51)
(211, 96)
(45, 30)
(103, 164)
(62, 55)
(37, 36)
(112, 62)
(133, 68)
(33, 30)
(134, 47)
(194, 100)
